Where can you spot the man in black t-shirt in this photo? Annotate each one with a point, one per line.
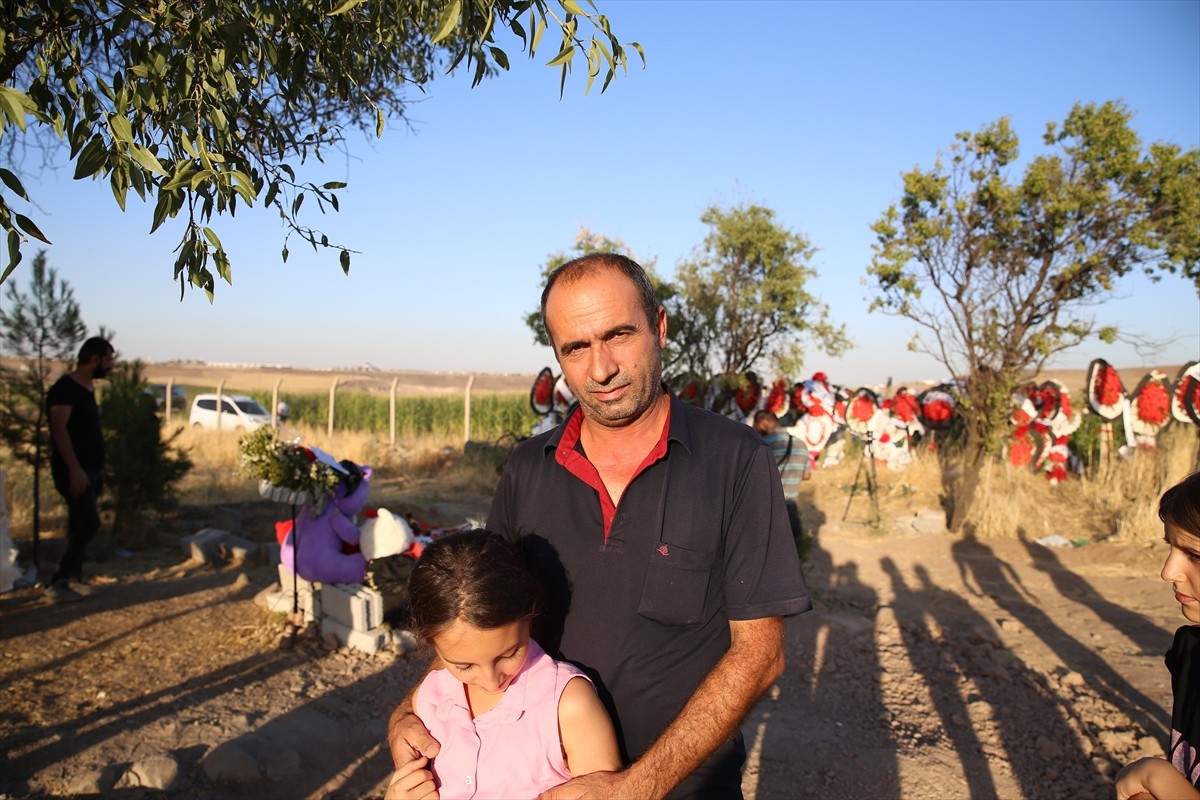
(77, 458)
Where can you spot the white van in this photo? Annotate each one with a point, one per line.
(238, 413)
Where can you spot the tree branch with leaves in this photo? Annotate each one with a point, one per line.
(205, 105)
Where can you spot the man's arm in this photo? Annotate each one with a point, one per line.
(408, 738)
(753, 662)
(78, 479)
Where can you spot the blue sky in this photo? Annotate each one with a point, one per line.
(812, 109)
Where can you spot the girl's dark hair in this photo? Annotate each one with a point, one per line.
(1180, 505)
(475, 576)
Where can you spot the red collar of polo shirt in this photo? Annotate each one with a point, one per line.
(578, 465)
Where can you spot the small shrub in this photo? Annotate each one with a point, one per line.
(142, 468)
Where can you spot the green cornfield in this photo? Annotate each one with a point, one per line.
(493, 416)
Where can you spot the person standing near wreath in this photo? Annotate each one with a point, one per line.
(77, 459)
(792, 458)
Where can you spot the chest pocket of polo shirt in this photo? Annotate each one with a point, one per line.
(675, 591)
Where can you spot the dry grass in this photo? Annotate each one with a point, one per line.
(1118, 503)
(214, 476)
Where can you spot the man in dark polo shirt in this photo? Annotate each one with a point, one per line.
(661, 533)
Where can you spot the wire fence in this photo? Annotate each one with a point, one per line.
(471, 415)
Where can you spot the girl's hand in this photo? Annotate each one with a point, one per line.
(412, 781)
(1153, 779)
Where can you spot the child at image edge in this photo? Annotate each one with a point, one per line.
(1178, 777)
(538, 722)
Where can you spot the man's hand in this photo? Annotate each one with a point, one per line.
(79, 481)
(412, 781)
(593, 786)
(409, 739)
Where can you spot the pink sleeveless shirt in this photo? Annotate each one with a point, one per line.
(512, 752)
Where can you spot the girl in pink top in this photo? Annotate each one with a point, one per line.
(511, 721)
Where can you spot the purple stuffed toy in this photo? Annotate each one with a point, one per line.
(322, 535)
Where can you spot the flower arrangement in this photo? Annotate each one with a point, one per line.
(1152, 403)
(287, 465)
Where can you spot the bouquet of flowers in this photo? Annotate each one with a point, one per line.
(289, 466)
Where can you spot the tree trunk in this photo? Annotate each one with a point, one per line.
(964, 485)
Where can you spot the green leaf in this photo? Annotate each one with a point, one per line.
(27, 225)
(162, 210)
(538, 30)
(345, 260)
(119, 184)
(243, 185)
(222, 262)
(500, 56)
(12, 101)
(121, 129)
(334, 185)
(211, 235)
(448, 21)
(379, 120)
(571, 7)
(13, 183)
(184, 171)
(146, 160)
(640, 52)
(564, 56)
(138, 182)
(92, 159)
(284, 254)
(515, 25)
(344, 7)
(14, 254)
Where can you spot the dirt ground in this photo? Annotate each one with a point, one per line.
(932, 667)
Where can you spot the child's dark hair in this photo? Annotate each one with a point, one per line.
(475, 576)
(1180, 505)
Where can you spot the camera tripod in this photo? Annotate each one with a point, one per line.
(866, 474)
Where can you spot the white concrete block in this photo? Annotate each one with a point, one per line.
(205, 545)
(369, 642)
(353, 604)
(286, 579)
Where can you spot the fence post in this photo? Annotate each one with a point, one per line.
(220, 402)
(467, 412)
(332, 392)
(392, 410)
(275, 403)
(167, 398)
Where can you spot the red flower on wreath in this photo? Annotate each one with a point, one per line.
(1108, 386)
(1020, 448)
(1183, 388)
(904, 406)
(777, 398)
(938, 411)
(1153, 403)
(746, 397)
(862, 409)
